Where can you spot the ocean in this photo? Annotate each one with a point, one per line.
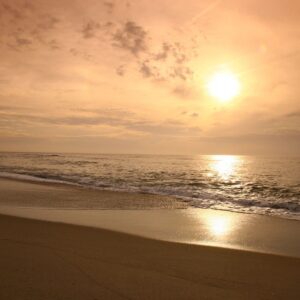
(266, 185)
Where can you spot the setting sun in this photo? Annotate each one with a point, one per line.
(224, 86)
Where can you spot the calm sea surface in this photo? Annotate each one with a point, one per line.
(264, 185)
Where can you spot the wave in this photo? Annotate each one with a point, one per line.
(203, 199)
(32, 178)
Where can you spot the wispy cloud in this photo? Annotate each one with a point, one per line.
(131, 37)
(90, 29)
(113, 118)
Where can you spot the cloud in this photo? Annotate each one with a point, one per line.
(112, 118)
(5, 108)
(190, 114)
(131, 37)
(12, 11)
(153, 59)
(109, 5)
(295, 114)
(182, 92)
(181, 72)
(179, 53)
(22, 42)
(146, 70)
(25, 25)
(169, 64)
(90, 29)
(120, 70)
(53, 44)
(48, 22)
(163, 54)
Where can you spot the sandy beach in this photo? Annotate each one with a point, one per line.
(149, 150)
(48, 260)
(42, 260)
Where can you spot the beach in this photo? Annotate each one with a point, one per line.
(53, 260)
(149, 150)
(43, 260)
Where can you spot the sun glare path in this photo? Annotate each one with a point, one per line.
(225, 165)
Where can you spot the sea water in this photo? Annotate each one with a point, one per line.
(252, 184)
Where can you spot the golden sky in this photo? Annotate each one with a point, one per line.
(131, 76)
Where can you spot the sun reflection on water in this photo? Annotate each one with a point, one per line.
(225, 165)
(218, 225)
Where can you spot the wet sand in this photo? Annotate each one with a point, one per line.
(62, 196)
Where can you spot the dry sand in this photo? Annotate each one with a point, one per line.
(43, 260)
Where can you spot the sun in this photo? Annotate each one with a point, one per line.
(224, 86)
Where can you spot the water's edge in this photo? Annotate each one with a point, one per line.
(60, 183)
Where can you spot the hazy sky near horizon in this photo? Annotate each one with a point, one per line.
(130, 76)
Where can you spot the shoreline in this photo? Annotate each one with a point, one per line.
(183, 204)
(158, 218)
(47, 260)
(159, 253)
